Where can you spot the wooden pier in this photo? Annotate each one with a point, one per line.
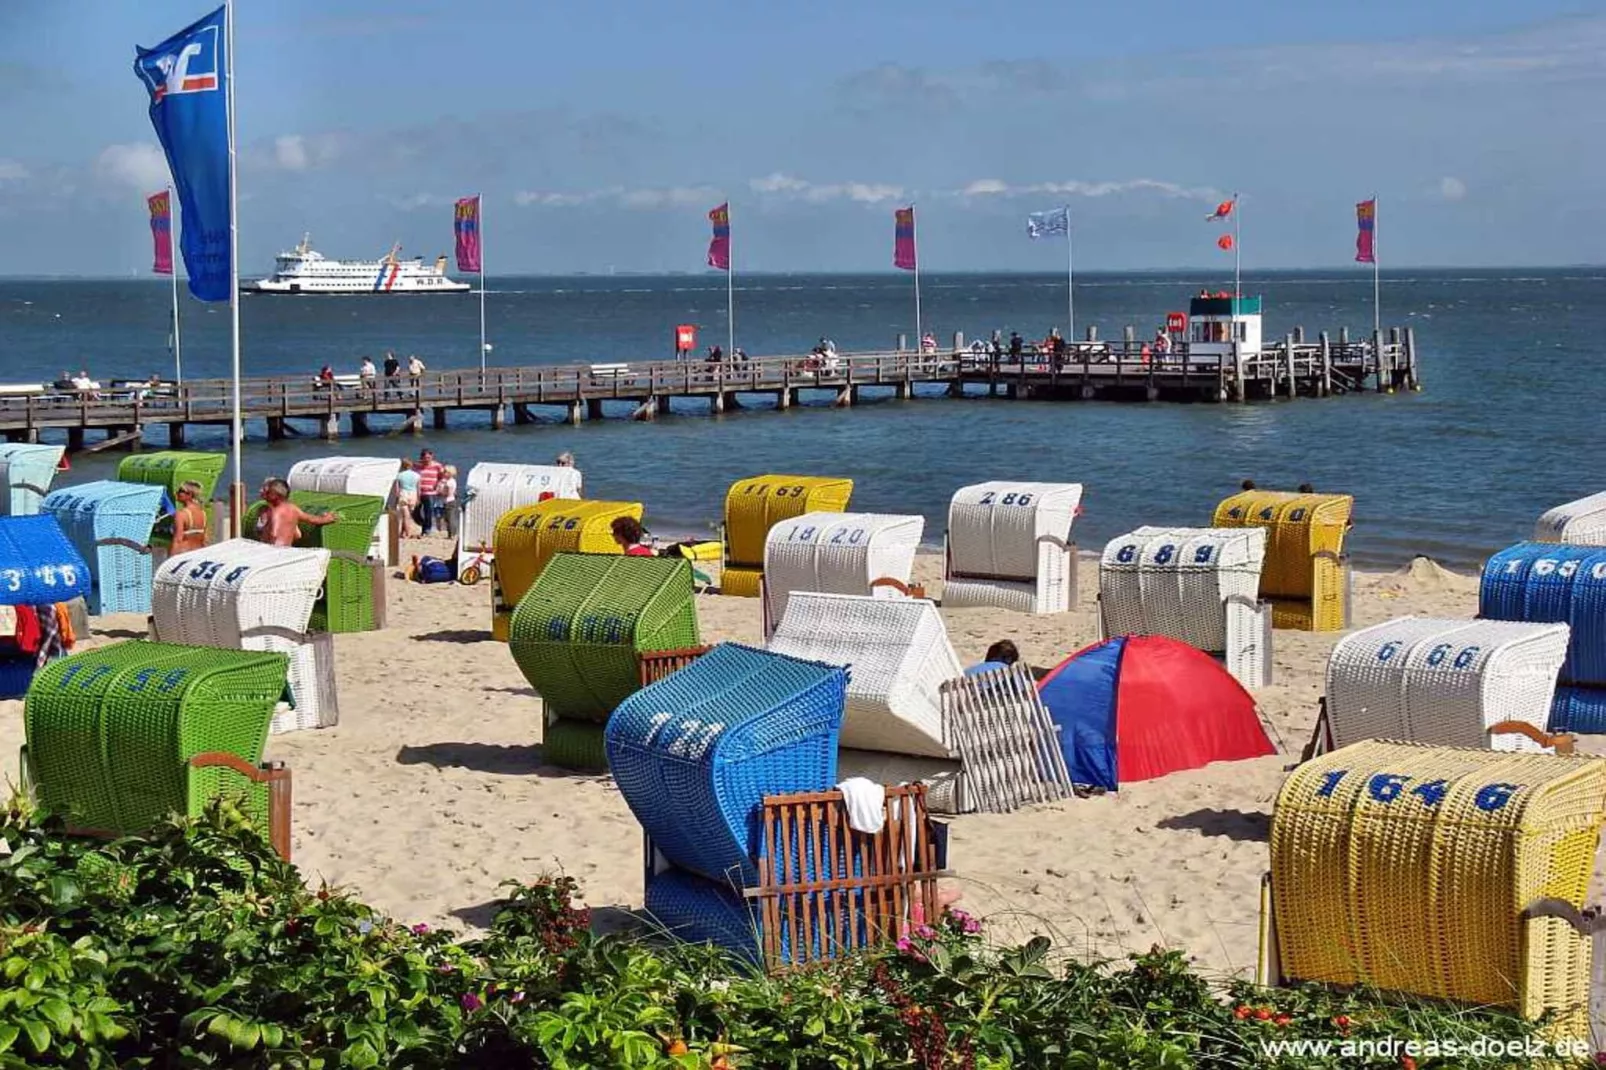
(1089, 370)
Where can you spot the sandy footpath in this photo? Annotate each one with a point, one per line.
(430, 791)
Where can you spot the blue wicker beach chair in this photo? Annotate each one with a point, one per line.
(38, 567)
(111, 524)
(1546, 582)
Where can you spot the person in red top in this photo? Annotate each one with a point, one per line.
(628, 534)
(430, 473)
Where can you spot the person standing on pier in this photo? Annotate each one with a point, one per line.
(1017, 347)
(415, 370)
(280, 523)
(366, 373)
(392, 372)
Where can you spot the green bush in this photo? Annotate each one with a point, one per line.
(197, 947)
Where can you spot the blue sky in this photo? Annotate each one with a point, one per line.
(600, 133)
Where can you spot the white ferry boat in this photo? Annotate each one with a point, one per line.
(304, 270)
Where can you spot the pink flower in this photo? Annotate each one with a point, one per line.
(471, 1002)
(925, 932)
(420, 929)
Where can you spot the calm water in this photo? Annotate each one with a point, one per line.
(1509, 423)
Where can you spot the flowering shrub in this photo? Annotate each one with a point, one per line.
(197, 947)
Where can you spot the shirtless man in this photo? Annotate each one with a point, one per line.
(279, 524)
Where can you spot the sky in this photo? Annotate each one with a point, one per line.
(601, 133)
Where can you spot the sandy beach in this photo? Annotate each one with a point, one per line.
(430, 791)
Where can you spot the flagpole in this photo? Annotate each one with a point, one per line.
(237, 492)
(1237, 251)
(1070, 280)
(1377, 286)
(920, 334)
(479, 208)
(172, 263)
(730, 289)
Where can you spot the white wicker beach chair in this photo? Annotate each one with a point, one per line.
(1197, 585)
(374, 477)
(494, 489)
(898, 657)
(1009, 546)
(243, 595)
(837, 553)
(1444, 682)
(1582, 522)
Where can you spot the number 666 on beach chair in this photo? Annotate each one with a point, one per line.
(1450, 873)
(122, 736)
(1009, 546)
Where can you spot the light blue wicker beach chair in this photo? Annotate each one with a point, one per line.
(111, 525)
(26, 470)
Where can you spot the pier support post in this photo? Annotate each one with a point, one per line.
(844, 398)
(663, 405)
(522, 414)
(1299, 335)
(1288, 361)
(783, 399)
(1343, 336)
(414, 422)
(175, 435)
(1411, 377)
(1238, 392)
(331, 427)
(959, 341)
(646, 411)
(574, 414)
(906, 391)
(903, 342)
(359, 425)
(275, 428)
(75, 439)
(593, 408)
(439, 417)
(1325, 383)
(1382, 370)
(716, 403)
(956, 389)
(498, 418)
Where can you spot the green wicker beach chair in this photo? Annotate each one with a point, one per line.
(580, 630)
(111, 732)
(171, 468)
(352, 591)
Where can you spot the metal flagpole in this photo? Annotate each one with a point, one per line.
(1237, 252)
(237, 492)
(920, 334)
(172, 257)
(730, 288)
(479, 209)
(1070, 280)
(1377, 287)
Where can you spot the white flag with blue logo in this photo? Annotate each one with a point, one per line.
(1048, 224)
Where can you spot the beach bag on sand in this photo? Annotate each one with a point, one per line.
(432, 570)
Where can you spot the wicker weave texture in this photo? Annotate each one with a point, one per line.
(897, 655)
(1445, 682)
(578, 631)
(26, 471)
(1406, 867)
(527, 537)
(1582, 521)
(493, 489)
(837, 553)
(741, 582)
(697, 910)
(695, 754)
(102, 519)
(173, 468)
(1180, 582)
(1542, 582)
(1305, 539)
(348, 602)
(243, 595)
(369, 477)
(1579, 709)
(1008, 546)
(753, 506)
(110, 730)
(38, 563)
(574, 745)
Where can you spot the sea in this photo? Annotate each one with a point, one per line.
(1509, 422)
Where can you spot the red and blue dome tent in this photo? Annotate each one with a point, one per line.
(1138, 707)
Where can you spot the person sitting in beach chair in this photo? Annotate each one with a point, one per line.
(628, 533)
(1001, 655)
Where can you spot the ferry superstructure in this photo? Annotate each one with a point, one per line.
(304, 270)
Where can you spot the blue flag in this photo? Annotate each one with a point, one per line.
(186, 76)
(1048, 224)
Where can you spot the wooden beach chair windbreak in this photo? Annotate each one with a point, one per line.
(838, 553)
(26, 471)
(1009, 546)
(1581, 522)
(112, 524)
(527, 538)
(492, 489)
(122, 736)
(1442, 872)
(753, 506)
(369, 477)
(1196, 585)
(1306, 575)
(242, 595)
(1008, 745)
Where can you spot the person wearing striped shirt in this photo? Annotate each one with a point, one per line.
(430, 473)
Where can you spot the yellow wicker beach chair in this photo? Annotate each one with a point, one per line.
(1306, 575)
(1438, 872)
(753, 506)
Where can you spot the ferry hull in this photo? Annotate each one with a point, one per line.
(297, 290)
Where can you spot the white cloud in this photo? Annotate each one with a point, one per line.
(140, 165)
(12, 171)
(413, 201)
(546, 199)
(993, 187)
(290, 152)
(673, 197)
(1452, 189)
(985, 187)
(778, 183)
(784, 185)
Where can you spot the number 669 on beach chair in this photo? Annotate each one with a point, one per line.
(1449, 873)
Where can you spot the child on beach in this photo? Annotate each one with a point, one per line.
(447, 493)
(628, 534)
(1001, 655)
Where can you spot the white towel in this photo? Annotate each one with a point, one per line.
(866, 802)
